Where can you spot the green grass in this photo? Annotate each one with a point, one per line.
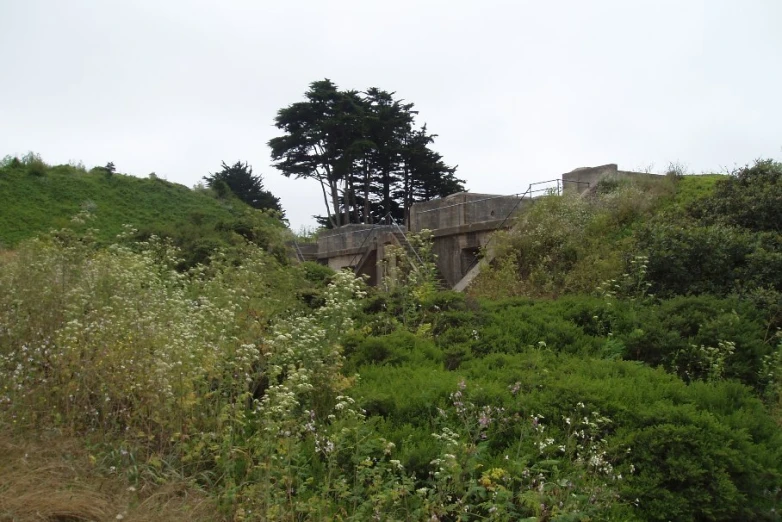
(690, 189)
(31, 203)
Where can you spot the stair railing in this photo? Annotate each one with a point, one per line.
(299, 253)
(369, 235)
(404, 235)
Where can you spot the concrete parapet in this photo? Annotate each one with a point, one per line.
(348, 237)
(586, 178)
(461, 209)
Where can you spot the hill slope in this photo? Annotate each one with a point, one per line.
(36, 198)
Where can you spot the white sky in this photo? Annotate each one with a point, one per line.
(518, 91)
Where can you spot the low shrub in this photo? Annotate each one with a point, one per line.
(675, 452)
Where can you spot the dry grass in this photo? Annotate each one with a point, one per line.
(6, 255)
(54, 480)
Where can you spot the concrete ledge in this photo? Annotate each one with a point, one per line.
(346, 251)
(472, 227)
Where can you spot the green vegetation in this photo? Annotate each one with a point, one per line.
(620, 360)
(239, 179)
(38, 198)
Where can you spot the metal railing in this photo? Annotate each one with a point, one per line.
(470, 202)
(299, 253)
(558, 181)
(369, 234)
(394, 224)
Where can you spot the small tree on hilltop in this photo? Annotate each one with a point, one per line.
(240, 180)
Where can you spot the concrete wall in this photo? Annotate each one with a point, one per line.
(339, 262)
(463, 224)
(586, 178)
(348, 238)
(638, 175)
(582, 179)
(457, 252)
(460, 209)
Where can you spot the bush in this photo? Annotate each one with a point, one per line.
(317, 273)
(716, 259)
(750, 198)
(34, 164)
(393, 349)
(514, 325)
(698, 452)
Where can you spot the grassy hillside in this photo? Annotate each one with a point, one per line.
(37, 198)
(263, 391)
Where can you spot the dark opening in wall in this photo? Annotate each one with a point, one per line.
(469, 256)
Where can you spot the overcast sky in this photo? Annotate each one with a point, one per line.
(518, 91)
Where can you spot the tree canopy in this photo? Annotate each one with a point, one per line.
(239, 179)
(365, 151)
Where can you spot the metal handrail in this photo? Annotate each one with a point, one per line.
(396, 224)
(518, 194)
(558, 180)
(373, 227)
(299, 253)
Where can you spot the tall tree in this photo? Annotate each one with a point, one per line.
(364, 150)
(318, 133)
(389, 123)
(240, 180)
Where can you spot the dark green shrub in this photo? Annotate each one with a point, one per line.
(392, 349)
(455, 354)
(380, 351)
(705, 451)
(317, 273)
(692, 259)
(675, 333)
(750, 198)
(517, 324)
(444, 302)
(37, 168)
(733, 244)
(312, 297)
(607, 185)
(379, 406)
(444, 321)
(11, 162)
(457, 335)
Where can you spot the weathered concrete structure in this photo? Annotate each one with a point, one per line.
(461, 226)
(582, 179)
(359, 247)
